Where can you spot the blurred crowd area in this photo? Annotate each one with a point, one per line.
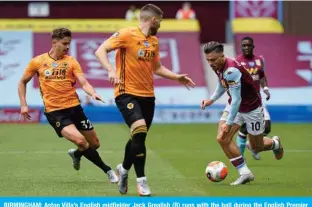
(213, 16)
(204, 12)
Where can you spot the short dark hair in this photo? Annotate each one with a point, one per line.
(155, 10)
(60, 33)
(248, 38)
(213, 46)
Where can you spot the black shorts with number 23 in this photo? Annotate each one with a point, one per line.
(64, 117)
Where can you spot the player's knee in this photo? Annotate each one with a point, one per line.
(96, 144)
(82, 143)
(222, 141)
(136, 124)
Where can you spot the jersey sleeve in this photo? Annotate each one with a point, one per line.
(233, 76)
(32, 67)
(220, 90)
(77, 70)
(119, 39)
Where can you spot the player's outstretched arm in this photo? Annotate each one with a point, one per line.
(220, 90)
(88, 88)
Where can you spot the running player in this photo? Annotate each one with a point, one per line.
(57, 73)
(137, 60)
(255, 66)
(245, 107)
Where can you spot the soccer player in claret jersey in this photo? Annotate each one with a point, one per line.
(255, 66)
(57, 73)
(245, 107)
(137, 60)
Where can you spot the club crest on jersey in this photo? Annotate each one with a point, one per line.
(258, 62)
(47, 73)
(54, 65)
(65, 64)
(251, 64)
(146, 44)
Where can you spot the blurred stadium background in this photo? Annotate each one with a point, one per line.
(182, 141)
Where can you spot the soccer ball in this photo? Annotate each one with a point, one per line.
(216, 171)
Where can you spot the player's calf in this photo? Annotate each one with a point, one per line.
(241, 140)
(255, 155)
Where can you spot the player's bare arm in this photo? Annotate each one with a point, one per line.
(88, 88)
(220, 90)
(22, 95)
(102, 55)
(162, 71)
(264, 85)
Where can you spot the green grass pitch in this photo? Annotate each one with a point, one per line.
(34, 162)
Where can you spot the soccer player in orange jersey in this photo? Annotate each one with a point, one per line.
(137, 59)
(57, 73)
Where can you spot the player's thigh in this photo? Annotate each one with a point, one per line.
(59, 119)
(72, 134)
(80, 119)
(131, 110)
(255, 121)
(84, 126)
(220, 125)
(238, 121)
(148, 108)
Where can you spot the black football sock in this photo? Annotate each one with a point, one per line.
(138, 150)
(78, 154)
(93, 156)
(128, 158)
